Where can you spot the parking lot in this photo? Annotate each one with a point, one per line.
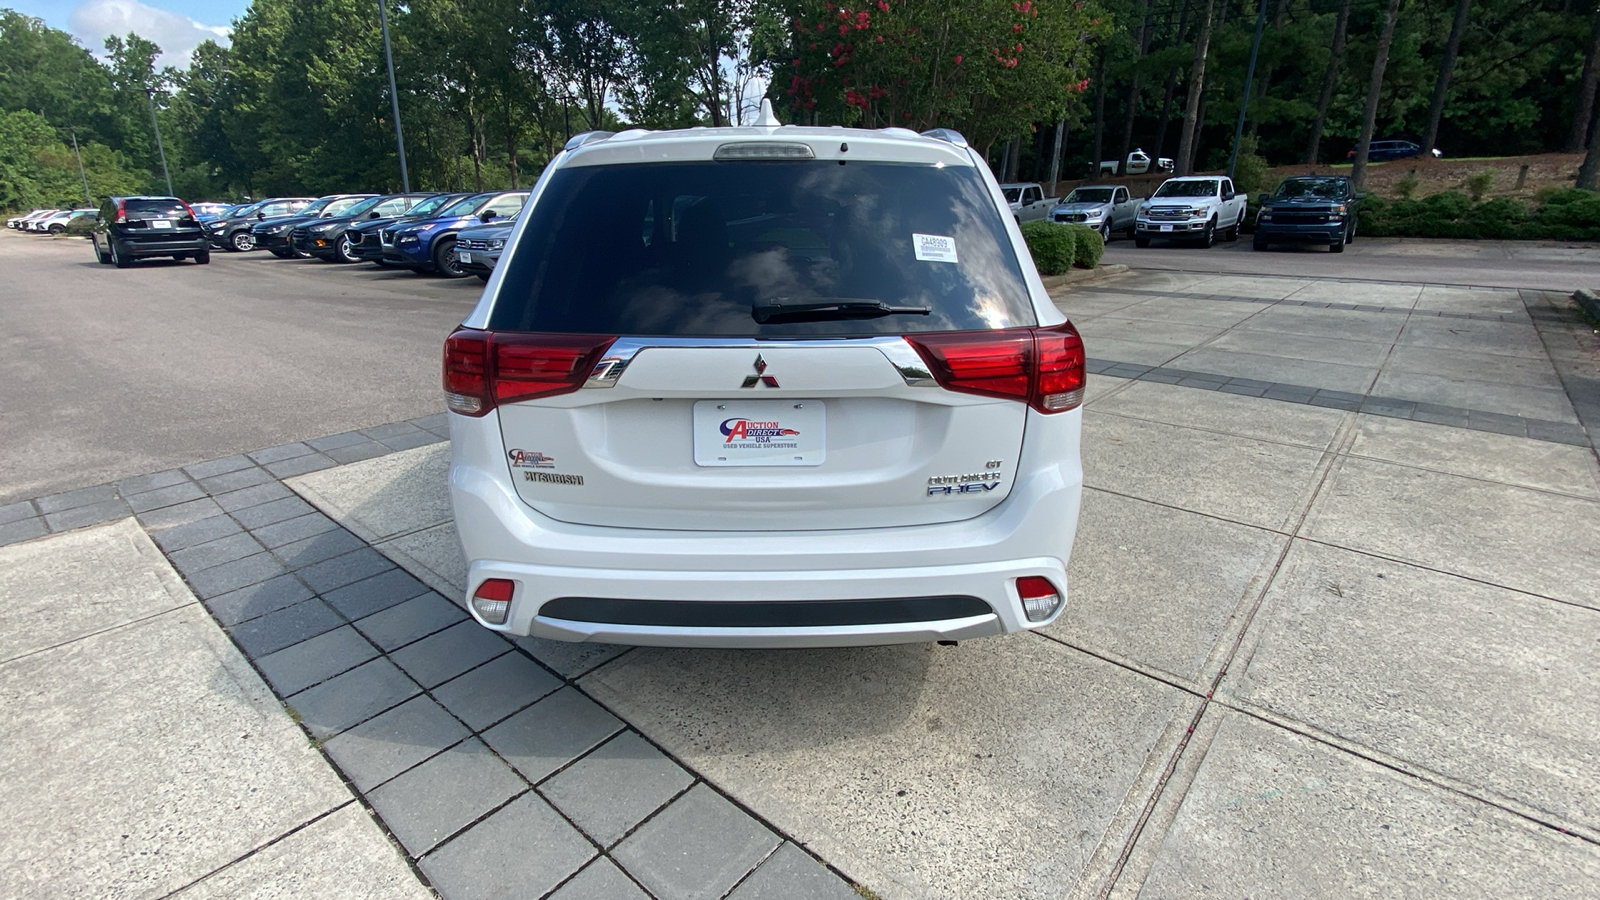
(1331, 632)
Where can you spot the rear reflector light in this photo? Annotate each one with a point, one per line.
(492, 600)
(1042, 367)
(1040, 599)
(483, 368)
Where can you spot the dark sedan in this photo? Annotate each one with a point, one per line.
(329, 238)
(232, 231)
(366, 238)
(273, 234)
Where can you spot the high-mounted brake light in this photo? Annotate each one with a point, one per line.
(764, 150)
(483, 369)
(1042, 367)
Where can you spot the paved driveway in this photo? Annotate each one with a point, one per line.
(1546, 265)
(1310, 651)
(1331, 633)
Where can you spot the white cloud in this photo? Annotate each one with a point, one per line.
(176, 35)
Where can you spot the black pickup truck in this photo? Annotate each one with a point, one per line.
(1308, 209)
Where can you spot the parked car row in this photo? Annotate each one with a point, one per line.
(49, 221)
(448, 234)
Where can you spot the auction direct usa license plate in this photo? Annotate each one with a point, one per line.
(463, 256)
(759, 433)
(160, 223)
(1166, 228)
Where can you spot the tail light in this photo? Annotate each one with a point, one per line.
(122, 212)
(492, 599)
(1040, 599)
(483, 369)
(1042, 367)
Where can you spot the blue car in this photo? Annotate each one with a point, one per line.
(429, 246)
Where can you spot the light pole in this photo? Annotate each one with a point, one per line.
(1249, 79)
(394, 95)
(150, 94)
(87, 199)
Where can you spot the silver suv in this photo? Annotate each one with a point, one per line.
(765, 386)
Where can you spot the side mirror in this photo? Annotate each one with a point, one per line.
(261, 215)
(1228, 195)
(1361, 196)
(374, 215)
(1261, 199)
(488, 215)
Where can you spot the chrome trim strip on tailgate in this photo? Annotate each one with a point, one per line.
(894, 348)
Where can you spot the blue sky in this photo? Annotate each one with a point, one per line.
(176, 25)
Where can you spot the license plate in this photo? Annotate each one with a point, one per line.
(463, 256)
(1166, 228)
(759, 433)
(160, 223)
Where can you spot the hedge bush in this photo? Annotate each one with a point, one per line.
(1054, 247)
(1567, 214)
(1090, 246)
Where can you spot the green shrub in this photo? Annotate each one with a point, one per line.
(1054, 247)
(80, 227)
(1090, 246)
(1479, 184)
(1561, 196)
(1571, 218)
(1406, 186)
(1498, 219)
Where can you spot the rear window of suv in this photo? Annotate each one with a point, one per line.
(155, 209)
(692, 249)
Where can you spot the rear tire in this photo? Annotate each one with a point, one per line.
(283, 254)
(57, 229)
(203, 257)
(101, 256)
(1232, 234)
(117, 259)
(445, 261)
(242, 241)
(1336, 247)
(1350, 236)
(1141, 242)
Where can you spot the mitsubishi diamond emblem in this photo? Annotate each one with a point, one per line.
(760, 376)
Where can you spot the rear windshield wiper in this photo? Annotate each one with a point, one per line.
(832, 308)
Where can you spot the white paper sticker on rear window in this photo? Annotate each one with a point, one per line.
(934, 247)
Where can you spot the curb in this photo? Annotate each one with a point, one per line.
(1590, 303)
(1080, 276)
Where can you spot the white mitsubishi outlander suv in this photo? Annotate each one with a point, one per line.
(766, 386)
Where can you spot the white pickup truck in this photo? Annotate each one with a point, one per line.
(1137, 163)
(1027, 200)
(1191, 207)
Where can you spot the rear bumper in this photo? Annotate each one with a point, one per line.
(135, 249)
(1030, 533)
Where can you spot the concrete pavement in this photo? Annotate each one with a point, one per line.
(1316, 646)
(141, 755)
(1532, 265)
